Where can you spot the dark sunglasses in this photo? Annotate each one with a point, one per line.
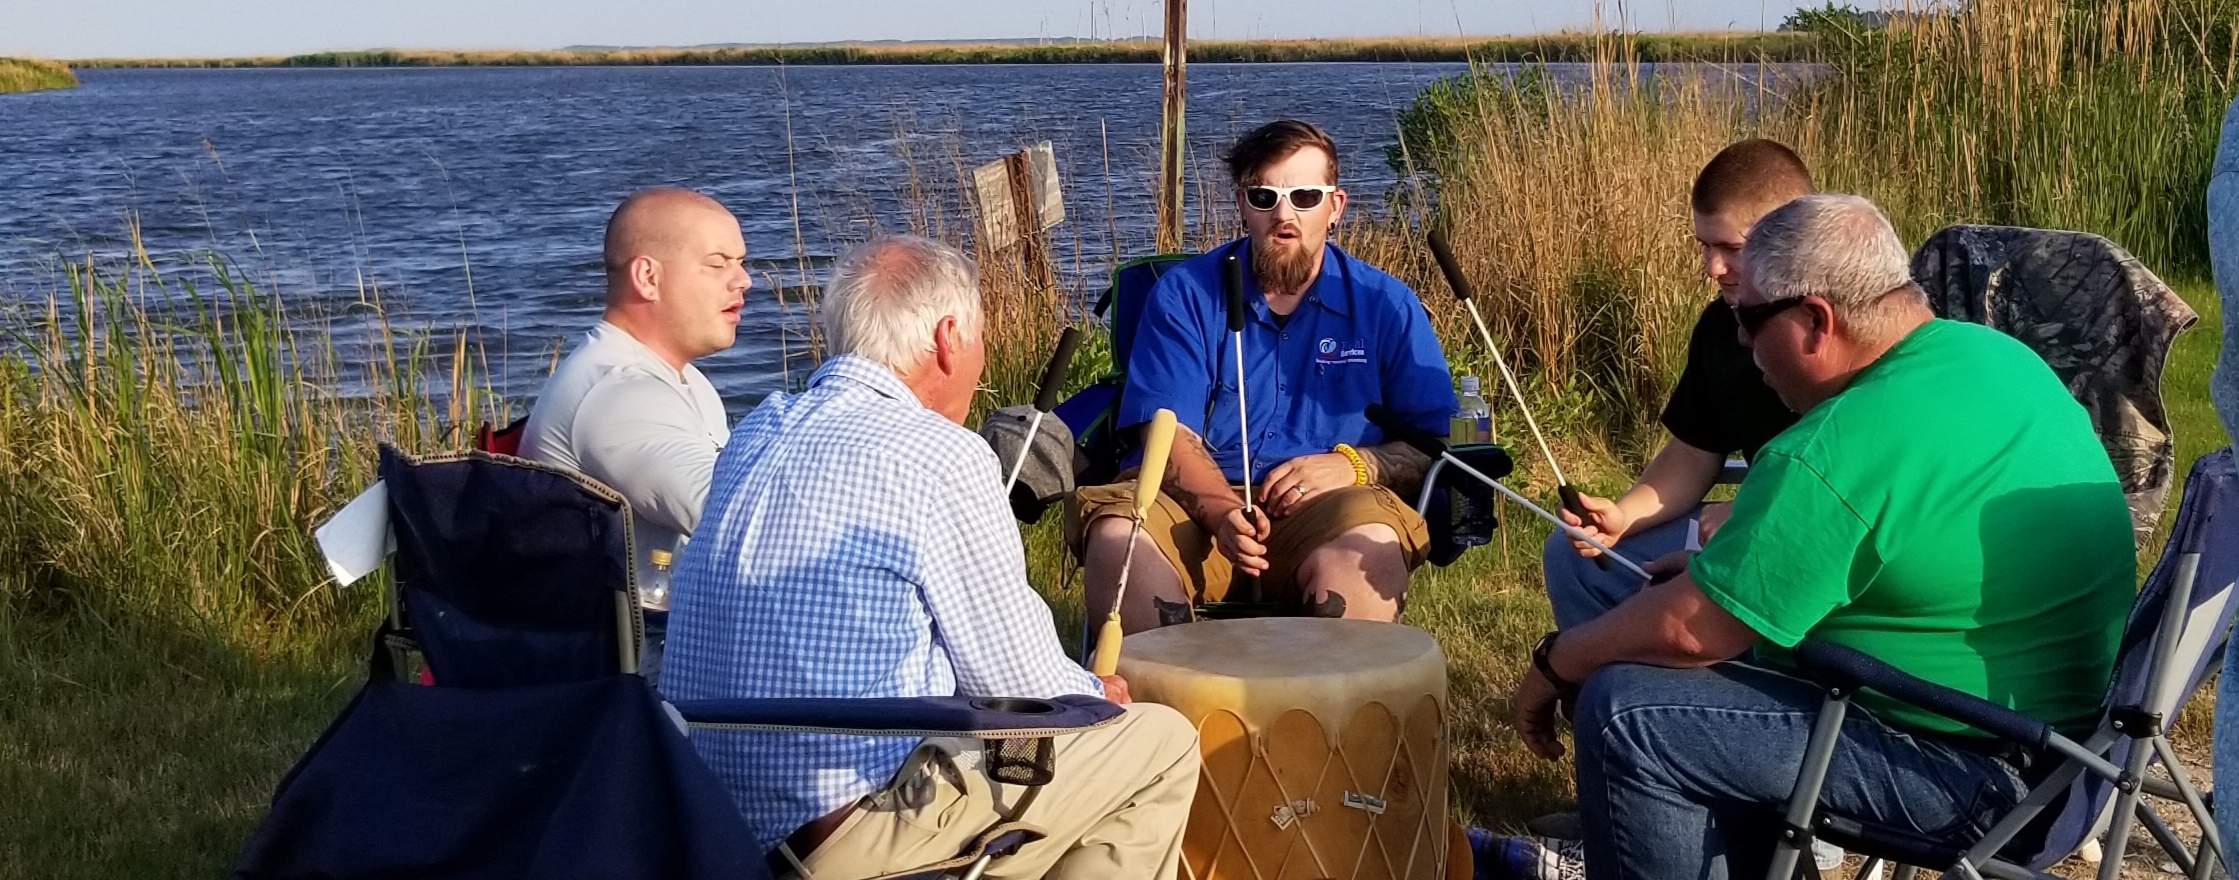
(1303, 198)
(1753, 317)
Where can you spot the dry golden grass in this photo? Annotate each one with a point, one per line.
(33, 74)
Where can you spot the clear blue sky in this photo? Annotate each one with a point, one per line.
(85, 28)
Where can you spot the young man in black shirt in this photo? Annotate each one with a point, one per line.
(1721, 405)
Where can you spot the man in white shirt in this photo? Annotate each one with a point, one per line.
(627, 408)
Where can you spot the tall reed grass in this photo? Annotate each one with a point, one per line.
(1566, 202)
(168, 435)
(2099, 115)
(34, 74)
(1567, 199)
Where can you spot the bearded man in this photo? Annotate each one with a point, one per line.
(1327, 336)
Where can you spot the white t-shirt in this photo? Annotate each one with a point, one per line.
(619, 414)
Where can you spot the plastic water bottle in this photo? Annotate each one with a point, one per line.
(1473, 418)
(1472, 510)
(653, 592)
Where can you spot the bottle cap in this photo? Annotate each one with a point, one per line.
(661, 558)
(1469, 385)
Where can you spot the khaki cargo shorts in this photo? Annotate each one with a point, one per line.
(1190, 548)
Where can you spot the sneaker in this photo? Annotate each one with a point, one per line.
(1827, 856)
(1525, 858)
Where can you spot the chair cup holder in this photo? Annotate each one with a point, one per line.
(1016, 705)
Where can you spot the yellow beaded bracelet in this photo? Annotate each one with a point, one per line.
(1360, 468)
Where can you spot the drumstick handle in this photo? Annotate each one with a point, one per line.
(1105, 662)
(1232, 291)
(1577, 508)
(1158, 440)
(1448, 266)
(1053, 378)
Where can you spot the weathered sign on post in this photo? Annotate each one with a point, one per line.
(1020, 199)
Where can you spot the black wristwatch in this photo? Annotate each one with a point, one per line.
(1542, 660)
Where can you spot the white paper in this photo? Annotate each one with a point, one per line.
(356, 538)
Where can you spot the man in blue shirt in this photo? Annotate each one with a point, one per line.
(856, 543)
(1327, 336)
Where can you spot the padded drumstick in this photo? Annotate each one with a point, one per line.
(1232, 289)
(1053, 378)
(1459, 283)
(1158, 439)
(1424, 441)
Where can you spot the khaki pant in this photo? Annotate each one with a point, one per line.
(1206, 573)
(1115, 808)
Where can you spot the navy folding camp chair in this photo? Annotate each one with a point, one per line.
(2180, 621)
(537, 753)
(1456, 507)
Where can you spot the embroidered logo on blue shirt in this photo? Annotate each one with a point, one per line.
(1329, 352)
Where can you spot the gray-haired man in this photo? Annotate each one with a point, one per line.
(1943, 505)
(856, 543)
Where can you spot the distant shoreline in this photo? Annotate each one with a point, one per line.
(1723, 47)
(32, 75)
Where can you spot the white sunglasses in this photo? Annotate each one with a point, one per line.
(1303, 198)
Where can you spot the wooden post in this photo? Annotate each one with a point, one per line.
(1171, 143)
(1034, 243)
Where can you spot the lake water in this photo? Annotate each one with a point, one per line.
(438, 182)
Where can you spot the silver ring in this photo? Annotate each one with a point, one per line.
(1299, 489)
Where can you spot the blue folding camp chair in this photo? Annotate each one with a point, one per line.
(2180, 622)
(1089, 412)
(537, 753)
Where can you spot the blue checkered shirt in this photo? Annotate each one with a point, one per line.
(854, 544)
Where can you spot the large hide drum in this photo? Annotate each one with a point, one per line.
(1324, 744)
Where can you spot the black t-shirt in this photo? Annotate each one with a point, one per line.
(1722, 403)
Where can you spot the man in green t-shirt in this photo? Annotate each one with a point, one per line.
(1942, 504)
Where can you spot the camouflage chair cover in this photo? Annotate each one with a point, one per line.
(2096, 315)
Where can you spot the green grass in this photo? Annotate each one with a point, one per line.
(168, 647)
(140, 750)
(1551, 47)
(32, 74)
(121, 759)
(167, 642)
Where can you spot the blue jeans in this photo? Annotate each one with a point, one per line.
(1581, 590)
(649, 651)
(1683, 773)
(2226, 766)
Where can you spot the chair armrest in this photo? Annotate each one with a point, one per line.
(985, 717)
(1849, 668)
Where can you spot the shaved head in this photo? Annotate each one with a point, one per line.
(657, 223)
(675, 273)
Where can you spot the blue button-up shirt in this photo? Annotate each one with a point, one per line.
(854, 544)
(1359, 336)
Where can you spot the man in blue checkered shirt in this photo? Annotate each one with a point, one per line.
(856, 543)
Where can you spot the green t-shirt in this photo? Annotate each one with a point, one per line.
(1951, 513)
